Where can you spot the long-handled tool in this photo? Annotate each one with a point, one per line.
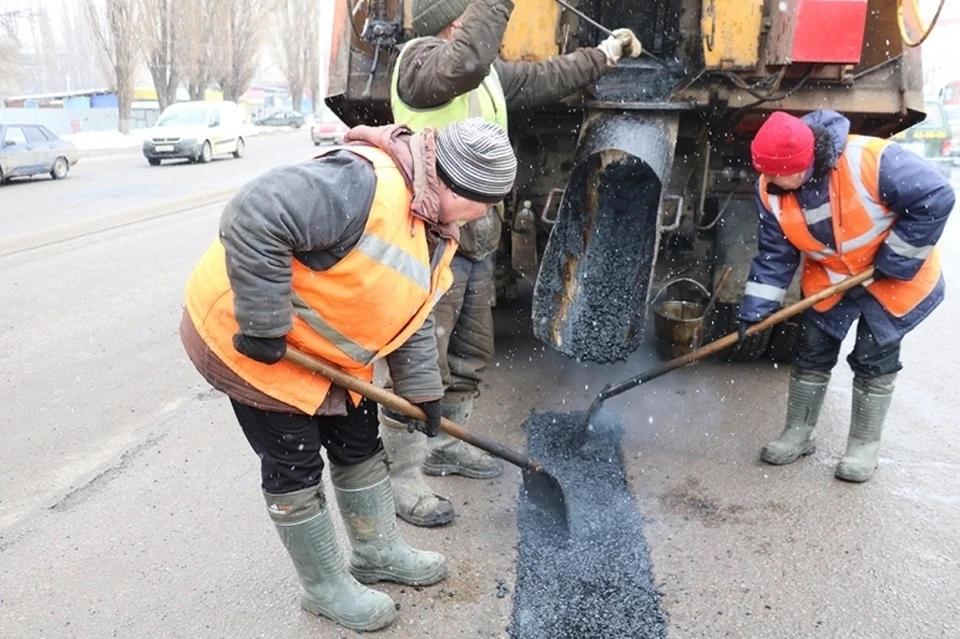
(580, 14)
(543, 488)
(611, 390)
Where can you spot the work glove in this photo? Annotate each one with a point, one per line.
(622, 42)
(747, 341)
(267, 350)
(431, 427)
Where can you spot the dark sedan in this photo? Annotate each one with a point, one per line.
(291, 119)
(32, 149)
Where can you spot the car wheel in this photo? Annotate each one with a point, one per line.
(60, 168)
(206, 152)
(294, 125)
(241, 147)
(154, 161)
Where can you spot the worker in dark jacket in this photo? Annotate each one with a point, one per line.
(838, 204)
(451, 72)
(343, 256)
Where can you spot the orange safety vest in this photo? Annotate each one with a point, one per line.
(861, 223)
(360, 310)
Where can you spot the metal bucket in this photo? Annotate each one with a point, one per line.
(678, 324)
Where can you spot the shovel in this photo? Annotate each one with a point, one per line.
(544, 490)
(611, 390)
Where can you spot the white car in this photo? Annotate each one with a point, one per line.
(196, 131)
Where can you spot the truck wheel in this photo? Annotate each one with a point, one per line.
(783, 337)
(154, 161)
(724, 321)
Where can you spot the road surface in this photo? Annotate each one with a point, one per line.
(130, 504)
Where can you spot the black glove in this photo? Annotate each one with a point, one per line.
(431, 427)
(879, 275)
(742, 330)
(267, 350)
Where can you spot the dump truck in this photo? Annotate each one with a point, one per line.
(644, 179)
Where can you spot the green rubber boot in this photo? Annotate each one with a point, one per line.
(807, 390)
(326, 588)
(414, 501)
(450, 456)
(871, 400)
(379, 554)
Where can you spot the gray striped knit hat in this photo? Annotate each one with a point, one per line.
(475, 159)
(430, 17)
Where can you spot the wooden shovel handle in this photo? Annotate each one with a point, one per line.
(404, 407)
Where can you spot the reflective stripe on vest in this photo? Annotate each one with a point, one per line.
(486, 101)
(861, 224)
(361, 309)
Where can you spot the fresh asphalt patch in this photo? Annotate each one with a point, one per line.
(598, 582)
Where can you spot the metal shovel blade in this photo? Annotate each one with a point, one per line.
(546, 495)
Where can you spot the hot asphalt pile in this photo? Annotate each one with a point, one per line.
(597, 582)
(593, 284)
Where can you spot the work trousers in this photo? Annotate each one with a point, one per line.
(464, 328)
(289, 444)
(818, 351)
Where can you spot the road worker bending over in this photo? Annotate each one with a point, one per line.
(450, 72)
(344, 257)
(838, 204)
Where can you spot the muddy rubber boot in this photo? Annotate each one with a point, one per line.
(379, 553)
(871, 399)
(414, 502)
(807, 390)
(450, 456)
(326, 588)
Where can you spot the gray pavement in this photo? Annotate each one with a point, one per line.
(130, 505)
(115, 183)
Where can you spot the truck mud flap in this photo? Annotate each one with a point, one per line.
(591, 293)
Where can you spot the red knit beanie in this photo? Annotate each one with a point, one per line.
(783, 145)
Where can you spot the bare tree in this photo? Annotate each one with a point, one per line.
(160, 43)
(241, 43)
(115, 30)
(76, 51)
(295, 36)
(198, 47)
(10, 16)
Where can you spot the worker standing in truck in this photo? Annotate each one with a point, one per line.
(343, 256)
(838, 204)
(452, 71)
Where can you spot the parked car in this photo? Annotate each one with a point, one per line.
(33, 149)
(291, 119)
(196, 131)
(931, 138)
(329, 131)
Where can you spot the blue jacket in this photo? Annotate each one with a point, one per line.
(910, 187)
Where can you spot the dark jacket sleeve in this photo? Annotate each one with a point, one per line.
(432, 72)
(413, 367)
(922, 199)
(772, 269)
(529, 84)
(297, 209)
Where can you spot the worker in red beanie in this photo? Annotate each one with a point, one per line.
(838, 204)
(783, 150)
